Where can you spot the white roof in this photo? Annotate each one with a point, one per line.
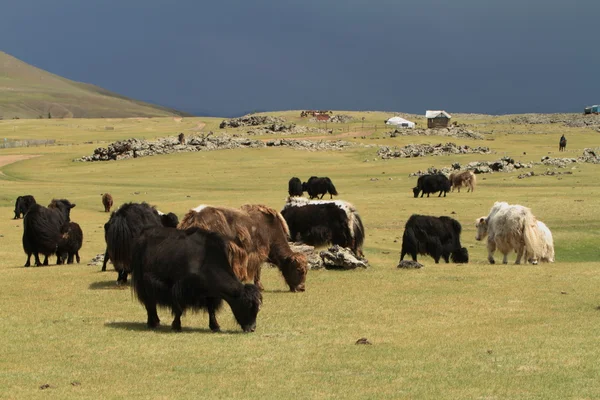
(437, 113)
(399, 121)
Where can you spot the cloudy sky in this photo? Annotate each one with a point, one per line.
(229, 57)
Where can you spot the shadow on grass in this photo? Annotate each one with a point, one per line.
(108, 285)
(164, 329)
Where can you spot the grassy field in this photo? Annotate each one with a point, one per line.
(447, 331)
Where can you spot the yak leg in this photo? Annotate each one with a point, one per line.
(105, 260)
(122, 279)
(45, 260)
(77, 257)
(37, 260)
(177, 312)
(70, 258)
(491, 245)
(257, 282)
(28, 263)
(153, 320)
(211, 305)
(321, 196)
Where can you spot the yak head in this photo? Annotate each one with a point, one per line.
(246, 307)
(169, 220)
(64, 206)
(461, 256)
(481, 224)
(416, 191)
(294, 270)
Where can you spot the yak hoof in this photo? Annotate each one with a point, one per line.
(492, 261)
(215, 329)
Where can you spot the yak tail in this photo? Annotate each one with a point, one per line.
(456, 227)
(358, 230)
(533, 241)
(119, 243)
(473, 181)
(331, 188)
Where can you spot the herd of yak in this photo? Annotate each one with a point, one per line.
(205, 258)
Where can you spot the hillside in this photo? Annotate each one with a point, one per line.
(29, 92)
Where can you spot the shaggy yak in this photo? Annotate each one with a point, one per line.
(432, 184)
(123, 228)
(107, 202)
(464, 178)
(562, 143)
(181, 138)
(295, 187)
(42, 229)
(320, 222)
(257, 234)
(70, 243)
(22, 205)
(512, 227)
(319, 186)
(190, 270)
(437, 237)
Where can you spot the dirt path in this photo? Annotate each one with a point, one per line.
(198, 127)
(13, 158)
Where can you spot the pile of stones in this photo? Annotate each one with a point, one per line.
(309, 145)
(422, 150)
(335, 257)
(335, 119)
(505, 164)
(453, 131)
(569, 120)
(251, 120)
(290, 129)
(546, 173)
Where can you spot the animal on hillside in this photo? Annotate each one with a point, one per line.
(295, 187)
(562, 143)
(547, 254)
(22, 205)
(42, 229)
(463, 178)
(511, 227)
(257, 234)
(107, 201)
(320, 222)
(69, 244)
(319, 186)
(181, 138)
(124, 227)
(438, 237)
(190, 269)
(431, 184)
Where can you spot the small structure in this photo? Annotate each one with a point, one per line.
(400, 122)
(437, 119)
(595, 109)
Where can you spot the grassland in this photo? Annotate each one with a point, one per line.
(474, 331)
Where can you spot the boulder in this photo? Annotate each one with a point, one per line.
(337, 257)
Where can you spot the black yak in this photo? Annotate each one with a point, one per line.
(107, 201)
(437, 237)
(123, 227)
(295, 187)
(257, 234)
(42, 229)
(432, 184)
(70, 243)
(319, 186)
(189, 269)
(562, 143)
(22, 205)
(320, 222)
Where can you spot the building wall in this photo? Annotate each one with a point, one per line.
(439, 122)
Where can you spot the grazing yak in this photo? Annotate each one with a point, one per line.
(463, 178)
(432, 184)
(70, 243)
(42, 229)
(107, 202)
(438, 237)
(547, 254)
(512, 227)
(562, 143)
(319, 186)
(123, 228)
(257, 234)
(22, 205)
(295, 187)
(190, 269)
(319, 222)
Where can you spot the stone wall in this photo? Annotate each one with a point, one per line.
(422, 150)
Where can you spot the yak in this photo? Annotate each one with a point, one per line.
(431, 184)
(189, 269)
(70, 243)
(319, 186)
(257, 234)
(107, 201)
(438, 237)
(463, 178)
(22, 205)
(42, 229)
(295, 187)
(123, 227)
(320, 222)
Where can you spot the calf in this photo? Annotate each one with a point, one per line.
(438, 237)
(463, 178)
(190, 269)
(107, 201)
(70, 243)
(22, 205)
(319, 186)
(431, 184)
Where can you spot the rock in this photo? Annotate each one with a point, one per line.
(409, 264)
(314, 261)
(251, 120)
(337, 257)
(97, 261)
(422, 150)
(363, 340)
(453, 131)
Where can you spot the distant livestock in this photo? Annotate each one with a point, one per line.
(320, 222)
(562, 143)
(70, 243)
(319, 186)
(427, 184)
(189, 269)
(181, 138)
(463, 178)
(257, 234)
(295, 187)
(22, 205)
(438, 237)
(107, 202)
(513, 227)
(124, 227)
(42, 229)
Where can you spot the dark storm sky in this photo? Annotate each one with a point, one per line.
(227, 57)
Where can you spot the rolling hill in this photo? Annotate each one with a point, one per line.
(29, 92)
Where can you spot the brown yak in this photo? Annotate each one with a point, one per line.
(258, 234)
(107, 202)
(463, 178)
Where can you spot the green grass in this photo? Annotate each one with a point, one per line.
(475, 331)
